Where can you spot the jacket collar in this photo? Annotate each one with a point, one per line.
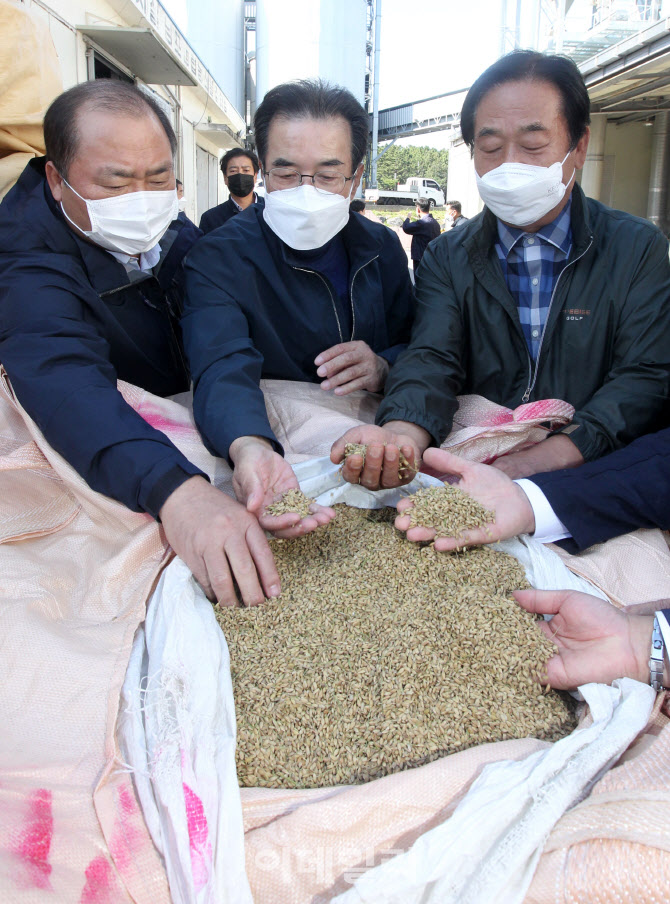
(482, 239)
(105, 273)
(479, 245)
(362, 242)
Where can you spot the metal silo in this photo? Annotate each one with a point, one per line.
(308, 39)
(216, 29)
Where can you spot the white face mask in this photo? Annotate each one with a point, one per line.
(131, 223)
(182, 204)
(521, 194)
(305, 218)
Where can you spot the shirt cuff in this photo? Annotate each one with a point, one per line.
(548, 527)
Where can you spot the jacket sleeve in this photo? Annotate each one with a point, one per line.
(634, 398)
(59, 365)
(205, 224)
(225, 366)
(619, 493)
(399, 300)
(423, 384)
(417, 227)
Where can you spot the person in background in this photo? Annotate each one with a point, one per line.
(182, 213)
(91, 288)
(545, 294)
(180, 195)
(423, 230)
(240, 169)
(454, 212)
(300, 290)
(357, 206)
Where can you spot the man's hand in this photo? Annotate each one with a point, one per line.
(260, 477)
(551, 454)
(488, 486)
(351, 365)
(594, 640)
(382, 458)
(219, 540)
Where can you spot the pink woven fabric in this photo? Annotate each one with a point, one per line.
(77, 570)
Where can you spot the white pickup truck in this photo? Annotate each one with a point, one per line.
(414, 188)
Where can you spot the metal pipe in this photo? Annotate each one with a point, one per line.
(657, 203)
(517, 26)
(503, 28)
(375, 94)
(559, 27)
(179, 129)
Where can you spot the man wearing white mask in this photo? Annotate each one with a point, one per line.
(300, 290)
(91, 281)
(545, 294)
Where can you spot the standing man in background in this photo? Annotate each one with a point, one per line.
(454, 211)
(240, 169)
(424, 230)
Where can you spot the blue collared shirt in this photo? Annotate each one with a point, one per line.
(531, 263)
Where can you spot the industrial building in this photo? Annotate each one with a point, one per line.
(209, 62)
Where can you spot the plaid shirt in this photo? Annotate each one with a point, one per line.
(531, 264)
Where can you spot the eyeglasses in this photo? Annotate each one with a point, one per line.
(283, 177)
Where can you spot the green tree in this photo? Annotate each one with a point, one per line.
(399, 163)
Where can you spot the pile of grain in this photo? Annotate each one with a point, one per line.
(292, 501)
(381, 655)
(448, 510)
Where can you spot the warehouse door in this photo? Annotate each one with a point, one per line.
(207, 173)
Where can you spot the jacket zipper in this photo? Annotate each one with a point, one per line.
(332, 300)
(353, 311)
(532, 376)
(330, 295)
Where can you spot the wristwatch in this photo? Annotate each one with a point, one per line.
(660, 640)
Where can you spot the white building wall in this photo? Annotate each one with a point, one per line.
(216, 29)
(461, 184)
(319, 39)
(628, 150)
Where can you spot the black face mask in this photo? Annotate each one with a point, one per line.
(241, 184)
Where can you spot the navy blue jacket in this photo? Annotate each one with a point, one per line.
(614, 495)
(255, 310)
(217, 216)
(423, 231)
(71, 324)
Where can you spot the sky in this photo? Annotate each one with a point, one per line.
(434, 46)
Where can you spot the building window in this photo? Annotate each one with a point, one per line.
(103, 68)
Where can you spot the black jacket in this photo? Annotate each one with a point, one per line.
(254, 309)
(217, 216)
(71, 323)
(423, 231)
(616, 494)
(605, 347)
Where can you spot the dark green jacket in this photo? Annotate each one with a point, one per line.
(605, 347)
